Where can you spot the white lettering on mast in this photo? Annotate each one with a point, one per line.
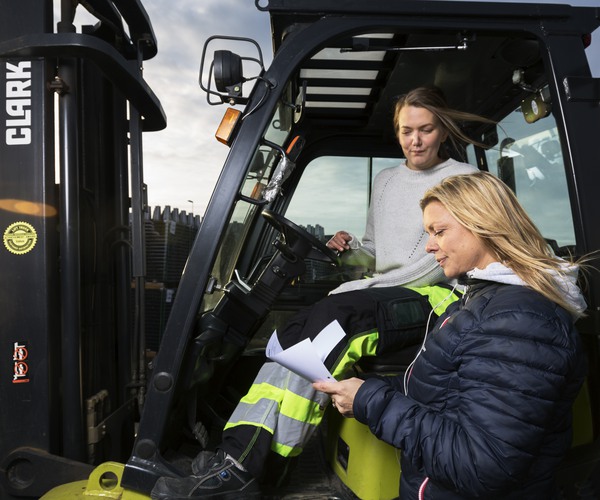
(18, 103)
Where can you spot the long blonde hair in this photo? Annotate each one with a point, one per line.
(432, 99)
(484, 205)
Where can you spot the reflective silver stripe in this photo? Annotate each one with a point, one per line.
(274, 374)
(260, 406)
(291, 435)
(283, 403)
(261, 414)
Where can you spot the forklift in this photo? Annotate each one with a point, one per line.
(92, 407)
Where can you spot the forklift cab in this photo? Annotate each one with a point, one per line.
(307, 136)
(313, 131)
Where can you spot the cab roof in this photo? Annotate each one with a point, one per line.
(380, 49)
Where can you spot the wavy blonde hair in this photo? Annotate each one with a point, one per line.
(484, 205)
(432, 99)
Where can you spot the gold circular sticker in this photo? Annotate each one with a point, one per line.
(20, 237)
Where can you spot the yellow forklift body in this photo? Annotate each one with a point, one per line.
(104, 482)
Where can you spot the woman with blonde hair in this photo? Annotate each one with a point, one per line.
(491, 211)
(485, 408)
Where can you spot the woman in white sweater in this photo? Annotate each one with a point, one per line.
(394, 242)
(393, 245)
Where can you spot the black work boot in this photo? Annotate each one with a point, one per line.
(220, 477)
(202, 462)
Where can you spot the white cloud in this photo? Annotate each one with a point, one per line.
(183, 161)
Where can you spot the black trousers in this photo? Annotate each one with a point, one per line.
(396, 317)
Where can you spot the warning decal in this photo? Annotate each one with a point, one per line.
(21, 363)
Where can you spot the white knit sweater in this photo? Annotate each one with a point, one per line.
(394, 239)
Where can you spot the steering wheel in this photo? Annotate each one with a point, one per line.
(301, 243)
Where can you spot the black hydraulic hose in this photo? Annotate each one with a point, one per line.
(70, 279)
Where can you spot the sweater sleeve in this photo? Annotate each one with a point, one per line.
(506, 393)
(368, 240)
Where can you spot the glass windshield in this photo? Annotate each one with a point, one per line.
(346, 209)
(529, 159)
(347, 204)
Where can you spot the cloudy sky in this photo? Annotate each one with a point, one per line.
(182, 162)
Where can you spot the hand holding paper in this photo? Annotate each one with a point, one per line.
(306, 357)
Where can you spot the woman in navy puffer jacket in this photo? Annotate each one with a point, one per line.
(485, 409)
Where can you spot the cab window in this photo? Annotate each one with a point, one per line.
(332, 195)
(260, 169)
(529, 159)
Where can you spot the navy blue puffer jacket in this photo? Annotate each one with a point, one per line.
(488, 411)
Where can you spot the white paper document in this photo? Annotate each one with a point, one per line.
(306, 357)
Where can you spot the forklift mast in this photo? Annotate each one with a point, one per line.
(74, 106)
